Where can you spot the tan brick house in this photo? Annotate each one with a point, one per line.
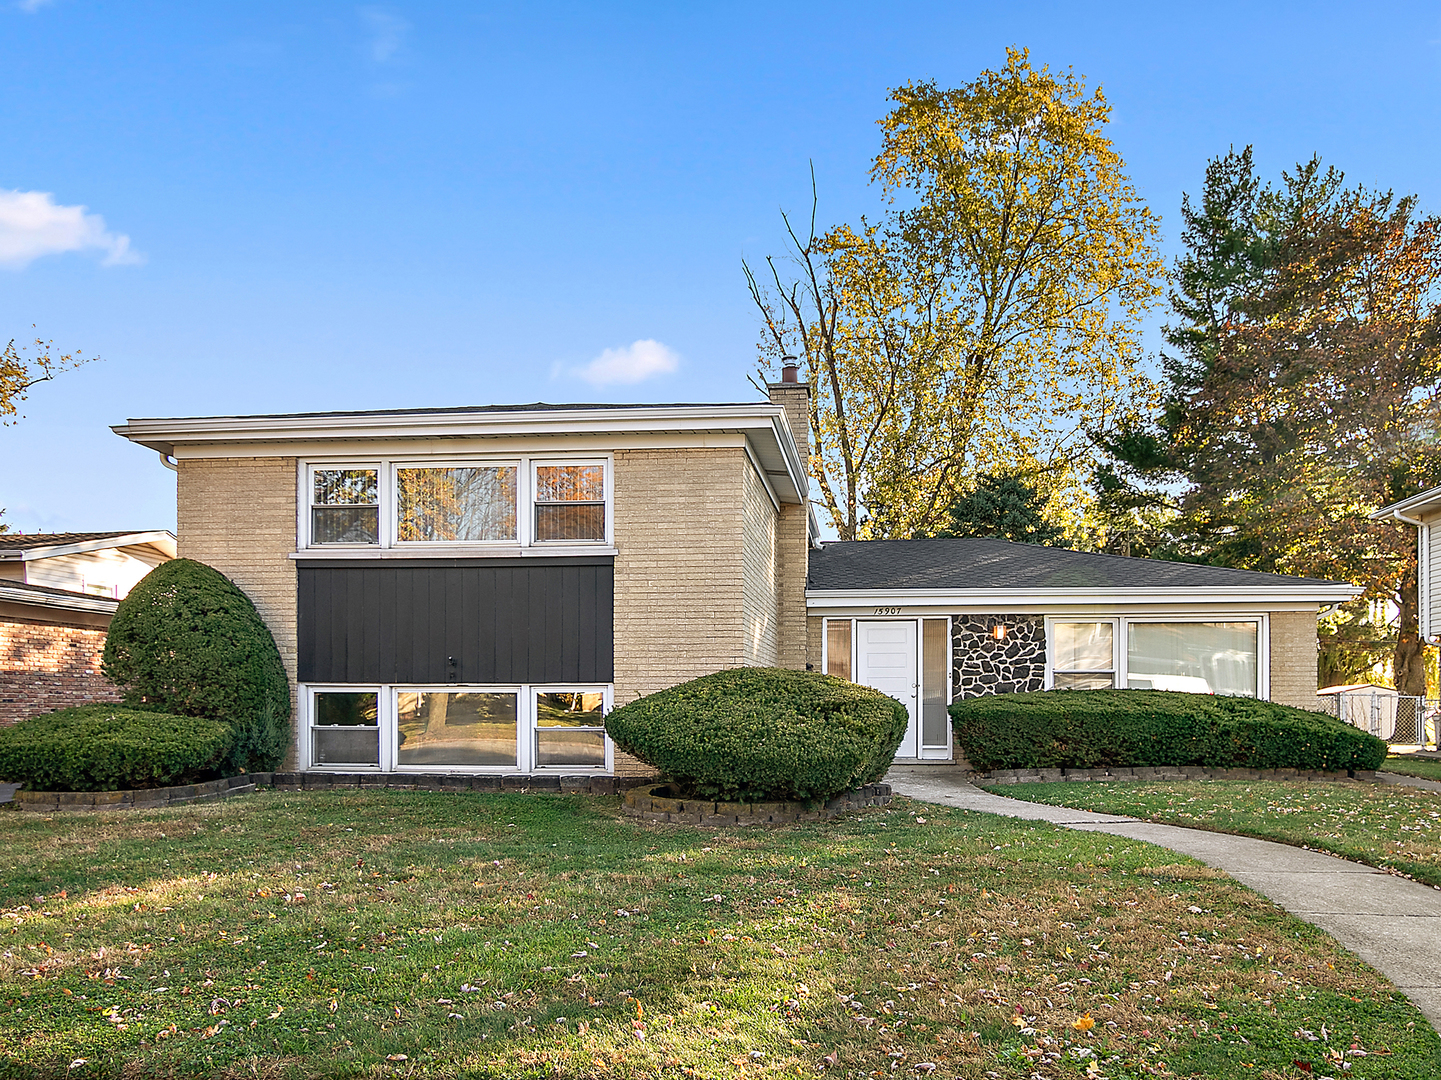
(471, 589)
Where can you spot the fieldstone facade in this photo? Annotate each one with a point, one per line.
(984, 665)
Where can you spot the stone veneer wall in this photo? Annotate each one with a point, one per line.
(982, 665)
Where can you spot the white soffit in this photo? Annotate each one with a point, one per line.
(763, 425)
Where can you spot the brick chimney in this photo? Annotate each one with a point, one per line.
(793, 532)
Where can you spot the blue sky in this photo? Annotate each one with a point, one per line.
(296, 206)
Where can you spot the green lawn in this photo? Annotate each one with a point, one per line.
(1396, 828)
(408, 933)
(1407, 765)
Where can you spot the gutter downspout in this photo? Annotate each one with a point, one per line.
(168, 462)
(1423, 574)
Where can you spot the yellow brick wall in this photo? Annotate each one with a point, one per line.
(1293, 659)
(815, 631)
(793, 532)
(760, 562)
(238, 515)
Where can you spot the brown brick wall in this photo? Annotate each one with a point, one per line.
(760, 564)
(1293, 659)
(45, 666)
(238, 515)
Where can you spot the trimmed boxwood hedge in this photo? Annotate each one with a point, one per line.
(186, 641)
(763, 733)
(1087, 729)
(112, 748)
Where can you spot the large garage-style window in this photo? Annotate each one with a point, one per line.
(1200, 657)
(1083, 655)
(440, 728)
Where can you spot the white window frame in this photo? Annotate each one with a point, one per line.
(529, 501)
(387, 717)
(305, 715)
(305, 524)
(392, 510)
(919, 621)
(388, 494)
(1121, 640)
(1117, 660)
(535, 689)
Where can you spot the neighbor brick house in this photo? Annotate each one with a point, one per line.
(471, 589)
(58, 592)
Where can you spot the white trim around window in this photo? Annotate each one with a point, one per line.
(387, 485)
(1120, 640)
(316, 739)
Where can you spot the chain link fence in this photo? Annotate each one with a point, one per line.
(1400, 719)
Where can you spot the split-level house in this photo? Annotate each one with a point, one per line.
(471, 589)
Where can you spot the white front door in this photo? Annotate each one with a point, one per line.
(886, 660)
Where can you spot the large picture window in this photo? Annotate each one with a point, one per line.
(411, 504)
(1200, 657)
(476, 504)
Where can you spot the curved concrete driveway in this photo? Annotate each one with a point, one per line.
(1391, 923)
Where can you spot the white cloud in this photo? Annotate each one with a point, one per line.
(632, 364)
(387, 33)
(30, 7)
(32, 224)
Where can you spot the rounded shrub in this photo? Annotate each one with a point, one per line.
(187, 641)
(112, 748)
(1087, 729)
(763, 733)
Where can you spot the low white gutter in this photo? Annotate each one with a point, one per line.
(77, 602)
(1232, 595)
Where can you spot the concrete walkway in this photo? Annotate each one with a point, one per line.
(1391, 923)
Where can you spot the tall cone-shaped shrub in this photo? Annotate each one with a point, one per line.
(187, 641)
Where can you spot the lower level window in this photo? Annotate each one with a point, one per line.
(455, 728)
(513, 728)
(345, 729)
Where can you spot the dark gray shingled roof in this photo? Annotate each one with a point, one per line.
(985, 563)
(20, 541)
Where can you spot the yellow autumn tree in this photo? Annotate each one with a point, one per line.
(989, 322)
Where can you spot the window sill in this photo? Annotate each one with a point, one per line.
(455, 552)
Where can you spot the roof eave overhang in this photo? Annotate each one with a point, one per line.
(76, 602)
(160, 538)
(1210, 596)
(764, 425)
(1428, 501)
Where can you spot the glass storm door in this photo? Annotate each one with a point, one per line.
(886, 660)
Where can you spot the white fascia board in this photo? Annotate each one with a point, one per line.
(1419, 505)
(764, 425)
(160, 538)
(77, 602)
(995, 600)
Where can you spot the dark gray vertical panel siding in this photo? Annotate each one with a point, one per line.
(505, 621)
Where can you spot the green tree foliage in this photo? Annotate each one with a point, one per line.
(1301, 393)
(187, 641)
(763, 733)
(1001, 506)
(112, 748)
(988, 320)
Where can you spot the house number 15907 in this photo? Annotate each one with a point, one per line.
(888, 611)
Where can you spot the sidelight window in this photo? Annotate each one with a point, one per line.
(345, 507)
(570, 502)
(570, 729)
(1083, 655)
(345, 728)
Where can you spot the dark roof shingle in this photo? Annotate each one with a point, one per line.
(988, 563)
(20, 541)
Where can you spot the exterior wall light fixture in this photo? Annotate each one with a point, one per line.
(999, 632)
